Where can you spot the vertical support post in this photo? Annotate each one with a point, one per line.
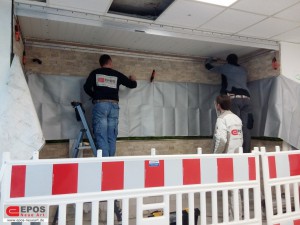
(214, 207)
(62, 214)
(241, 150)
(267, 189)
(95, 213)
(79, 213)
(139, 210)
(199, 151)
(191, 209)
(125, 211)
(225, 206)
(257, 191)
(110, 212)
(153, 151)
(179, 208)
(99, 153)
(35, 155)
(203, 207)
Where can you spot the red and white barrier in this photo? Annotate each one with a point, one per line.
(47, 179)
(75, 181)
(281, 172)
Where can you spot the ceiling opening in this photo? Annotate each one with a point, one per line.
(145, 9)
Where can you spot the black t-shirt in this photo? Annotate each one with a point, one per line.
(104, 83)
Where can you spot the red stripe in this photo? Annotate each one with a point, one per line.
(191, 171)
(297, 222)
(272, 167)
(17, 185)
(252, 168)
(65, 178)
(154, 173)
(113, 176)
(294, 164)
(225, 169)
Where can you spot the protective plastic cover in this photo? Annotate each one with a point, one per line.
(167, 108)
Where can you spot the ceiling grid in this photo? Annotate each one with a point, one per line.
(186, 27)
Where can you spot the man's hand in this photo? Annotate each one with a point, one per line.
(208, 60)
(132, 77)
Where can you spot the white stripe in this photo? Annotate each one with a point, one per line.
(134, 175)
(282, 165)
(89, 177)
(173, 172)
(209, 171)
(240, 169)
(38, 181)
(289, 222)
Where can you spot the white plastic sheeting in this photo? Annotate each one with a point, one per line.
(167, 108)
(152, 109)
(20, 131)
(283, 116)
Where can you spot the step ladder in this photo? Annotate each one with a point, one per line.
(85, 131)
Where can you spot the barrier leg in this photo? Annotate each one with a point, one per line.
(55, 217)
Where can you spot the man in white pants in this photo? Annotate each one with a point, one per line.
(228, 137)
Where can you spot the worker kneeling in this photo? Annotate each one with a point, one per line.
(228, 137)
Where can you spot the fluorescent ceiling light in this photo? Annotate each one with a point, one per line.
(219, 2)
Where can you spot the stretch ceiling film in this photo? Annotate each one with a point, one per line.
(163, 108)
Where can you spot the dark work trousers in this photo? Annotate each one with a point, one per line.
(243, 109)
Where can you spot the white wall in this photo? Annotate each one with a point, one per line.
(5, 39)
(290, 61)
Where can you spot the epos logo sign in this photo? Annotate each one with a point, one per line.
(13, 211)
(236, 132)
(25, 213)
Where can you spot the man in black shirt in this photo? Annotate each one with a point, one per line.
(102, 85)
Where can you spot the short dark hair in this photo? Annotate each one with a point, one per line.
(232, 59)
(104, 59)
(224, 101)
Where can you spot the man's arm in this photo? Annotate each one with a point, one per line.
(129, 82)
(88, 86)
(220, 136)
(211, 67)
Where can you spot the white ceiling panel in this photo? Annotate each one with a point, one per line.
(264, 7)
(232, 21)
(186, 27)
(93, 6)
(290, 36)
(133, 41)
(292, 13)
(269, 28)
(189, 13)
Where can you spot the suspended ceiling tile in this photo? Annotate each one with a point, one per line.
(292, 13)
(265, 7)
(189, 13)
(269, 28)
(290, 36)
(93, 6)
(232, 21)
(145, 9)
